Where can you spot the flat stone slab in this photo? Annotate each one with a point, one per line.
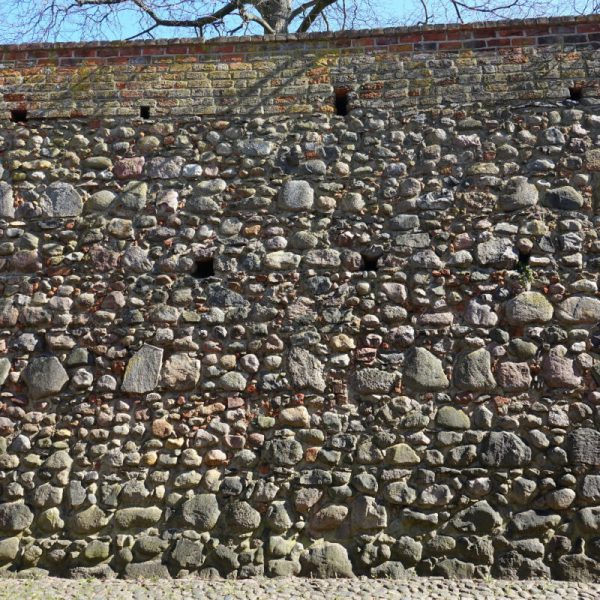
(143, 370)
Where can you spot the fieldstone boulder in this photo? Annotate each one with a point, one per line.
(563, 198)
(137, 517)
(201, 512)
(558, 370)
(305, 370)
(326, 560)
(281, 261)
(241, 517)
(504, 449)
(61, 200)
(578, 310)
(588, 519)
(161, 167)
(4, 369)
(44, 376)
(590, 487)
(498, 253)
(592, 160)
(296, 195)
(479, 519)
(449, 417)
(513, 376)
(423, 371)
(583, 447)
(401, 455)
(481, 315)
(89, 520)
(143, 370)
(233, 381)
(151, 569)
(7, 207)
(134, 196)
(519, 194)
(136, 259)
(531, 522)
(283, 452)
(473, 371)
(529, 307)
(14, 517)
(188, 554)
(375, 381)
(181, 372)
(9, 548)
(367, 514)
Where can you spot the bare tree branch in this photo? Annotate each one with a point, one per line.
(317, 10)
(42, 20)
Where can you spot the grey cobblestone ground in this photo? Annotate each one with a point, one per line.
(283, 589)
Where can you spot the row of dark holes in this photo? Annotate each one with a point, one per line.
(340, 98)
(205, 267)
(19, 115)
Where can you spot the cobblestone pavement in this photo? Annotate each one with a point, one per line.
(282, 589)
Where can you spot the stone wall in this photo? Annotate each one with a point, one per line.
(336, 345)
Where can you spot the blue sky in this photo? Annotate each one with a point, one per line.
(17, 22)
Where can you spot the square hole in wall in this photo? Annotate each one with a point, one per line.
(576, 92)
(370, 263)
(205, 267)
(18, 115)
(145, 112)
(341, 101)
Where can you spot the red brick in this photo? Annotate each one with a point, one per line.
(130, 51)
(153, 51)
(366, 41)
(526, 41)
(179, 49)
(450, 46)
(484, 33)
(434, 36)
(409, 37)
(85, 52)
(589, 28)
(225, 48)
(497, 43)
(563, 29)
(106, 52)
(459, 34)
(386, 41)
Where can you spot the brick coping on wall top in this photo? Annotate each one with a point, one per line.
(480, 29)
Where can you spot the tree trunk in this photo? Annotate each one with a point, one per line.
(276, 13)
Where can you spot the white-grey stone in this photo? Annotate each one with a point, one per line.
(518, 195)
(305, 370)
(181, 372)
(529, 307)
(563, 198)
(4, 369)
(296, 195)
(161, 167)
(61, 200)
(44, 376)
(7, 207)
(423, 371)
(473, 371)
(143, 370)
(579, 310)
